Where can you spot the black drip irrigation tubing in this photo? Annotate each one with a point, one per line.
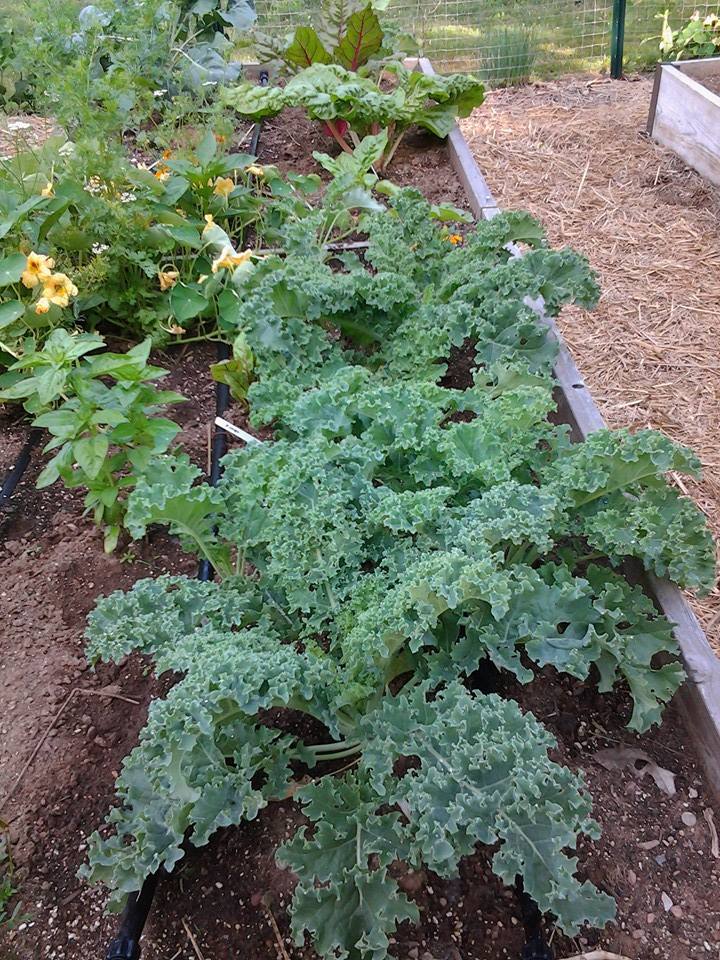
(126, 946)
(15, 472)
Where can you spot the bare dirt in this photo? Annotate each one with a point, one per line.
(712, 83)
(229, 899)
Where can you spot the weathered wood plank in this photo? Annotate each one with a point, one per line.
(699, 697)
(699, 69)
(687, 119)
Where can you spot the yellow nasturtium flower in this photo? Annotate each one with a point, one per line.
(57, 289)
(224, 186)
(37, 269)
(48, 190)
(228, 259)
(256, 170)
(209, 223)
(42, 306)
(168, 279)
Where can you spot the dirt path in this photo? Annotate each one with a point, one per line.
(573, 152)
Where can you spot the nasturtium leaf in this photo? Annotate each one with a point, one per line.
(11, 268)
(10, 311)
(187, 302)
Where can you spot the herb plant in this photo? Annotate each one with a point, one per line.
(396, 535)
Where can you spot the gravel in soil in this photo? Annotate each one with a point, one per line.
(229, 899)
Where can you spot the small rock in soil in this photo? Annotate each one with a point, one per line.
(689, 819)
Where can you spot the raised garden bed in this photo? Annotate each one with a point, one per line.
(219, 891)
(685, 113)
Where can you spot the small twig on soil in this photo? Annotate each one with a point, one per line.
(193, 941)
(276, 930)
(73, 693)
(582, 182)
(598, 955)
(714, 845)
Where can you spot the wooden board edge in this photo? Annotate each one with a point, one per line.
(699, 698)
(690, 83)
(699, 67)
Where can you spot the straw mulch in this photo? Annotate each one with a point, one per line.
(574, 153)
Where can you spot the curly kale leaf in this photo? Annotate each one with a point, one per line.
(659, 527)
(165, 494)
(479, 766)
(194, 770)
(349, 908)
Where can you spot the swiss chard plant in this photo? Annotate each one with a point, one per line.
(397, 534)
(348, 103)
(346, 32)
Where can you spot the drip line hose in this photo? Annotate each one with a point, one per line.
(15, 472)
(536, 946)
(126, 946)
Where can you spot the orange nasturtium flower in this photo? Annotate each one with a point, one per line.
(166, 154)
(224, 186)
(219, 138)
(455, 239)
(57, 289)
(37, 269)
(228, 259)
(162, 172)
(168, 279)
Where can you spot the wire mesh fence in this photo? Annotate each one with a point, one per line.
(511, 41)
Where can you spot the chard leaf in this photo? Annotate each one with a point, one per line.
(306, 49)
(363, 37)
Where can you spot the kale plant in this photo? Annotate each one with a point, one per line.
(397, 534)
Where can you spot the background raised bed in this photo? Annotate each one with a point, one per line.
(685, 113)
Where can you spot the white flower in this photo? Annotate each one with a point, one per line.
(127, 197)
(159, 93)
(99, 248)
(67, 149)
(14, 125)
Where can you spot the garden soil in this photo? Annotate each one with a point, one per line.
(229, 899)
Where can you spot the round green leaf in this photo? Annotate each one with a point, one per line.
(11, 268)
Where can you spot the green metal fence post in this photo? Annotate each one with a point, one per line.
(617, 39)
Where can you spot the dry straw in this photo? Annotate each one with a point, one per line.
(574, 153)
